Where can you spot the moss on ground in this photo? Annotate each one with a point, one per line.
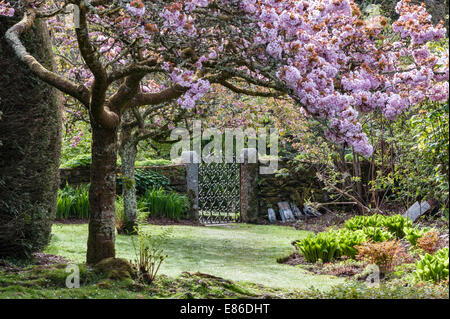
(116, 268)
(50, 282)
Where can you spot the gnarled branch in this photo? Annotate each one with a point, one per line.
(239, 90)
(99, 111)
(80, 92)
(166, 95)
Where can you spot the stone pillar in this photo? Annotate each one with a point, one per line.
(249, 185)
(191, 159)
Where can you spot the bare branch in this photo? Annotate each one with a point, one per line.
(139, 118)
(342, 192)
(144, 67)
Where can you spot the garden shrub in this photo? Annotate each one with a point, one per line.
(349, 240)
(121, 218)
(147, 179)
(153, 162)
(360, 222)
(429, 242)
(331, 245)
(359, 229)
(421, 162)
(73, 202)
(413, 234)
(320, 247)
(395, 224)
(80, 160)
(377, 234)
(385, 254)
(389, 290)
(433, 268)
(159, 202)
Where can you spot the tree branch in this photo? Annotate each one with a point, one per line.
(80, 92)
(127, 90)
(100, 112)
(236, 89)
(166, 95)
(144, 67)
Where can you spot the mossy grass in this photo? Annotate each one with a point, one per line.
(49, 282)
(238, 252)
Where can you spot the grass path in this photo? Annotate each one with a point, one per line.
(238, 252)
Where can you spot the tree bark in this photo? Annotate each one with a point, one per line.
(357, 173)
(31, 142)
(102, 193)
(128, 153)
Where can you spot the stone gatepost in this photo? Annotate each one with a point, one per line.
(249, 185)
(191, 159)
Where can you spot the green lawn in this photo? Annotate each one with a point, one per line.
(239, 252)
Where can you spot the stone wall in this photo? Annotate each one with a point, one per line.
(81, 175)
(74, 176)
(298, 186)
(175, 173)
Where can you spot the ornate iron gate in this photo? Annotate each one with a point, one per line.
(219, 192)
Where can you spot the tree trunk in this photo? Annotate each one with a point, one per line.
(375, 197)
(102, 193)
(30, 145)
(357, 174)
(128, 152)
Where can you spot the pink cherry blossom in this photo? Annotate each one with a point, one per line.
(6, 9)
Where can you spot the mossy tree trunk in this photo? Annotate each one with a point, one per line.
(128, 153)
(105, 115)
(102, 193)
(30, 149)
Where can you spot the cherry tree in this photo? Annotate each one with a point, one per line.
(319, 53)
(152, 124)
(219, 108)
